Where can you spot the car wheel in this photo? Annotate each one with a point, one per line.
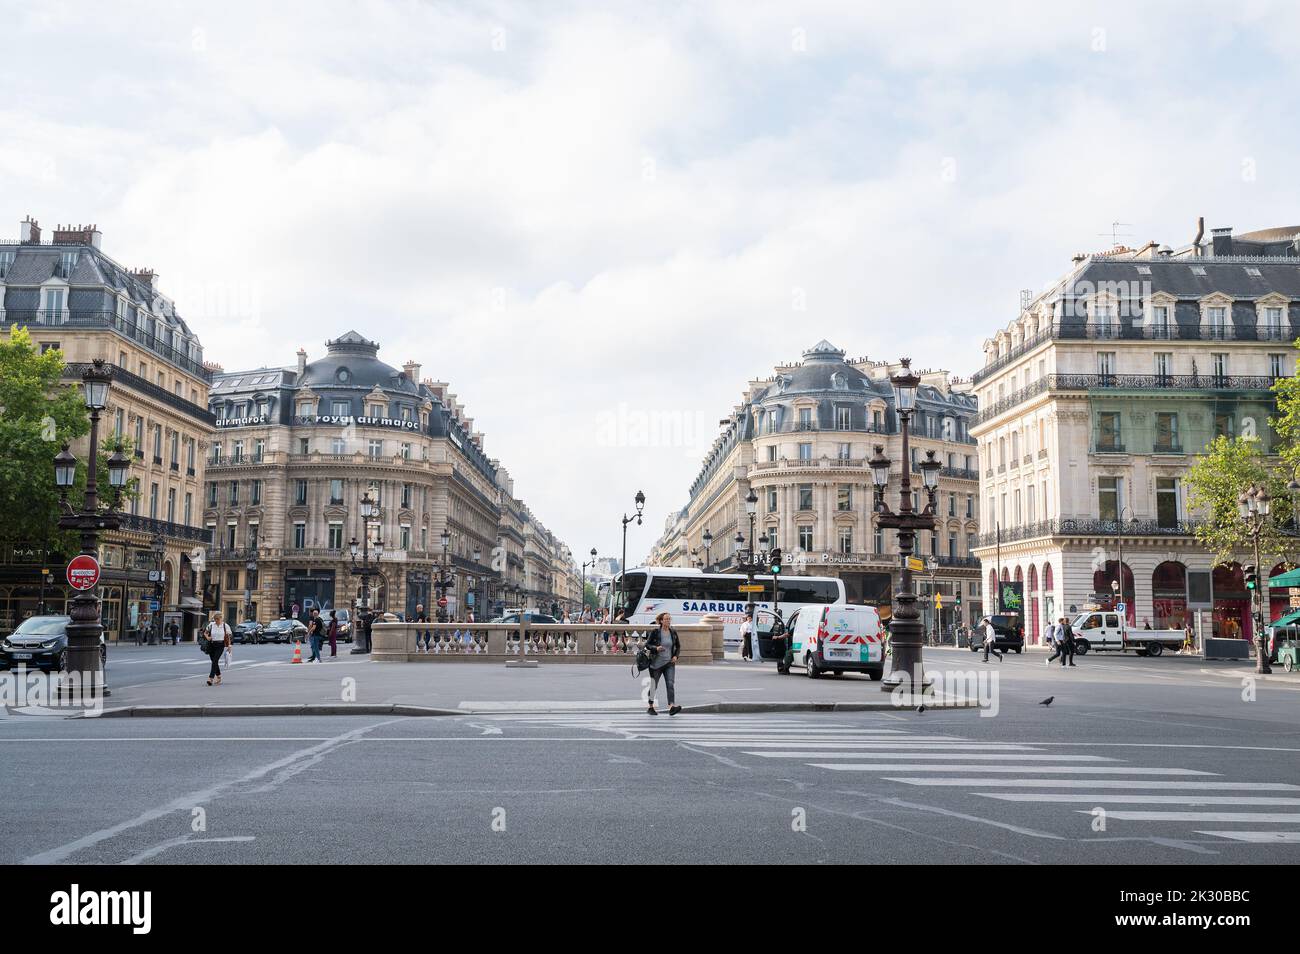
(876, 674)
(1019, 650)
(838, 672)
(974, 647)
(810, 664)
(1081, 647)
(1289, 665)
(1154, 648)
(61, 663)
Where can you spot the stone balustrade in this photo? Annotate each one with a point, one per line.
(547, 642)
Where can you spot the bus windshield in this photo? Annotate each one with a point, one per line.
(627, 593)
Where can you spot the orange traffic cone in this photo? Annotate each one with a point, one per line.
(297, 652)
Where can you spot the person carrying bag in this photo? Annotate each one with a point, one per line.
(216, 641)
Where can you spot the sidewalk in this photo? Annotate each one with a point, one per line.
(355, 684)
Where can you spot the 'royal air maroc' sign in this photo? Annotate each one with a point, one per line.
(345, 420)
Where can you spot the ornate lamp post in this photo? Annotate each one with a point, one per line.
(622, 567)
(85, 677)
(445, 576)
(250, 577)
(905, 630)
(586, 563)
(1254, 506)
(707, 539)
(159, 547)
(366, 569)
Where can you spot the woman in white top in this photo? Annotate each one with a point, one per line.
(218, 634)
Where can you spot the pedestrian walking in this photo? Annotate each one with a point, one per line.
(665, 647)
(334, 632)
(315, 634)
(218, 636)
(747, 634)
(1067, 641)
(1057, 641)
(990, 640)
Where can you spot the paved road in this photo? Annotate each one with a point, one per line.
(1183, 767)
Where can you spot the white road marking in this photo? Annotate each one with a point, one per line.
(1062, 770)
(1105, 798)
(1100, 783)
(1259, 817)
(1259, 837)
(186, 802)
(940, 755)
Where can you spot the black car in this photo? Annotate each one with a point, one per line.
(41, 642)
(345, 624)
(249, 631)
(284, 631)
(1008, 633)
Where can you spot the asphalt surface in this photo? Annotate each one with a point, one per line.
(1165, 761)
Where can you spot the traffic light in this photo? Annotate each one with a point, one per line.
(1252, 577)
(775, 560)
(959, 595)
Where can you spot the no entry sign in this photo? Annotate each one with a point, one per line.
(83, 572)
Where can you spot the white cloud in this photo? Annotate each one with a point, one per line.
(613, 214)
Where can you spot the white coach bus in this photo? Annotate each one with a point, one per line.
(690, 593)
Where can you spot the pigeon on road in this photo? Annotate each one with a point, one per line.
(1047, 701)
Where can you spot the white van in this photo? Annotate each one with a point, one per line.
(838, 639)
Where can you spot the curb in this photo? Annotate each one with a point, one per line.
(174, 712)
(398, 709)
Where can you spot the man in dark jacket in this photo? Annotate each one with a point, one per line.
(421, 617)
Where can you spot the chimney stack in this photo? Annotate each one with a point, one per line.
(29, 231)
(302, 361)
(1221, 241)
(1200, 233)
(148, 276)
(81, 235)
(412, 370)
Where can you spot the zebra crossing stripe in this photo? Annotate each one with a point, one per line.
(836, 744)
(1049, 769)
(939, 750)
(1190, 798)
(948, 755)
(1099, 784)
(1259, 837)
(1270, 817)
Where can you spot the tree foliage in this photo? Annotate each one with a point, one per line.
(38, 414)
(1216, 482)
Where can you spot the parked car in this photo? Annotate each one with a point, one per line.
(249, 631)
(1008, 633)
(41, 642)
(838, 639)
(284, 631)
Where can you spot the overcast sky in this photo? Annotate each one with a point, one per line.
(598, 221)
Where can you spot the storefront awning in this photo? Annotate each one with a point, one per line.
(1289, 578)
(1288, 619)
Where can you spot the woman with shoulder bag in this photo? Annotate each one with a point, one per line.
(218, 635)
(664, 647)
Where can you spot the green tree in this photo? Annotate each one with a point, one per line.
(1216, 481)
(39, 413)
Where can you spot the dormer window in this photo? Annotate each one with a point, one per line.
(343, 375)
(839, 382)
(1198, 270)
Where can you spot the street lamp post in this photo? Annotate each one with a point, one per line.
(708, 545)
(445, 576)
(586, 563)
(905, 628)
(159, 547)
(250, 573)
(86, 626)
(622, 567)
(366, 570)
(1254, 506)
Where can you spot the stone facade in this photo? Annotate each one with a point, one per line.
(73, 297)
(801, 439)
(1097, 399)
